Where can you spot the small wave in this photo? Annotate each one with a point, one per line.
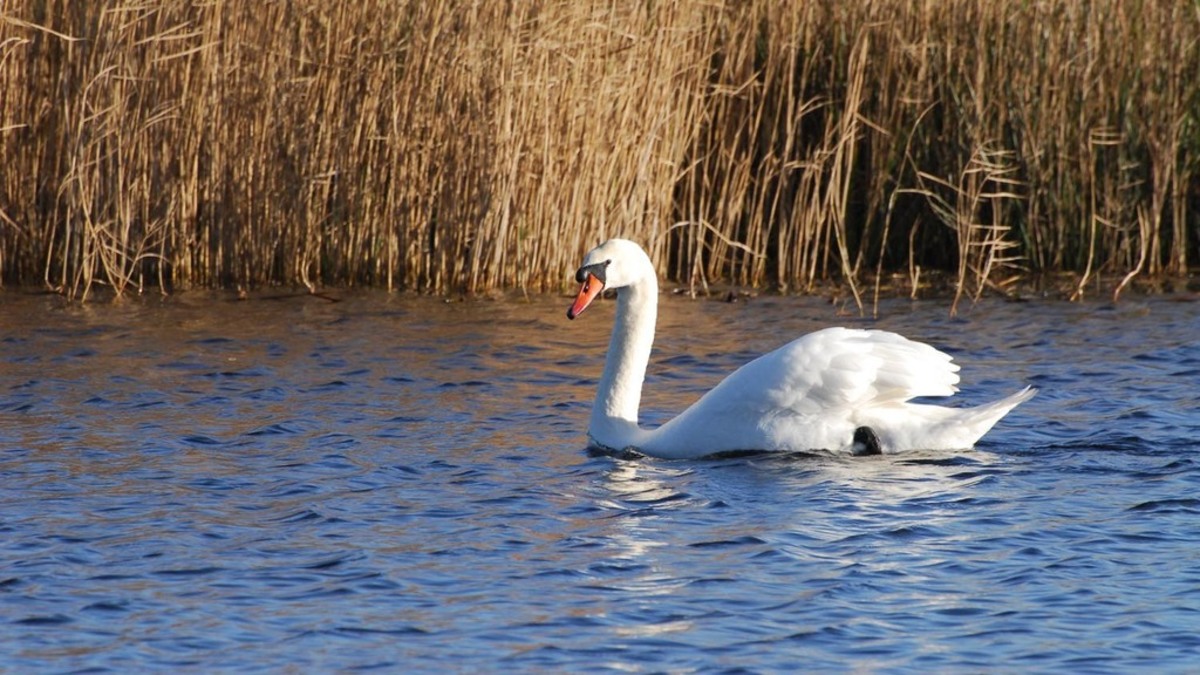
(197, 439)
(747, 540)
(238, 374)
(301, 516)
(277, 429)
(371, 630)
(45, 620)
(203, 570)
(1182, 505)
(15, 406)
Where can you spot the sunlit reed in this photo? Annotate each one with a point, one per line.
(467, 147)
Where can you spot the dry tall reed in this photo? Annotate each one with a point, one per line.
(447, 146)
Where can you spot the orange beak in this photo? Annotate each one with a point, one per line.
(587, 293)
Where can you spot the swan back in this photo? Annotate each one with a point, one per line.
(811, 394)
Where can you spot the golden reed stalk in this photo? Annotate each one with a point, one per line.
(449, 146)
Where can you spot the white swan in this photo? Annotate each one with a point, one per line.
(837, 389)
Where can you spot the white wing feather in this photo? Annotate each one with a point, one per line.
(813, 392)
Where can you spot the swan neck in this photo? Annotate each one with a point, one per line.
(614, 420)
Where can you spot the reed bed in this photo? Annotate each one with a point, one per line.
(449, 147)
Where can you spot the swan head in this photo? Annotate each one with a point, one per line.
(616, 263)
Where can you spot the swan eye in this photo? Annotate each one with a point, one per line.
(600, 270)
(596, 269)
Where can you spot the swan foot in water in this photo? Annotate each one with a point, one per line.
(866, 442)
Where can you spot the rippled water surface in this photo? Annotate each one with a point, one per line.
(386, 482)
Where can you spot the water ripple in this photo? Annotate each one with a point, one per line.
(341, 486)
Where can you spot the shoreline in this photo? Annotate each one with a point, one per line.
(933, 287)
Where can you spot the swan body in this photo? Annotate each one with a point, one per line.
(817, 392)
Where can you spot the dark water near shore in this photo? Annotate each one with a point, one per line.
(386, 482)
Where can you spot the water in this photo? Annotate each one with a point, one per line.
(386, 482)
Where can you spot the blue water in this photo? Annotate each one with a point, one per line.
(296, 485)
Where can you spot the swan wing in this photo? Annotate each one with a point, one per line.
(810, 393)
(839, 368)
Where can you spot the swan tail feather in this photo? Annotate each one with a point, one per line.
(921, 426)
(981, 419)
